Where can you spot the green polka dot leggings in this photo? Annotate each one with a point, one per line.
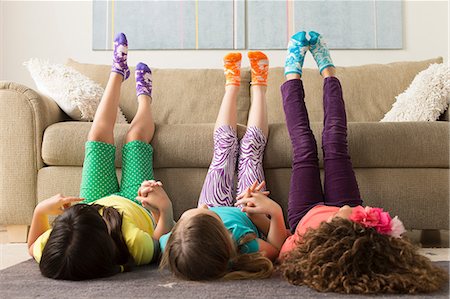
(99, 172)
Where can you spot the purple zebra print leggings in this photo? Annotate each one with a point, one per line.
(218, 188)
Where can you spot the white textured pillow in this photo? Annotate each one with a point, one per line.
(425, 99)
(77, 95)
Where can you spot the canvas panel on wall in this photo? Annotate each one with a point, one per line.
(247, 24)
(154, 24)
(364, 24)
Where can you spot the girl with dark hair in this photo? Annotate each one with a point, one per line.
(109, 230)
(337, 245)
(217, 240)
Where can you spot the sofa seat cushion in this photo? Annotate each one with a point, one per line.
(180, 145)
(377, 145)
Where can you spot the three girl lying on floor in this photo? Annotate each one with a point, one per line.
(334, 244)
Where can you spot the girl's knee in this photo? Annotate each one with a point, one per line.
(225, 137)
(102, 136)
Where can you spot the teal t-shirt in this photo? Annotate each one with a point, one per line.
(237, 223)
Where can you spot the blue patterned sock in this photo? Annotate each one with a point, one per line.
(297, 48)
(319, 51)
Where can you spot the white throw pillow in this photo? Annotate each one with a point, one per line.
(425, 99)
(77, 95)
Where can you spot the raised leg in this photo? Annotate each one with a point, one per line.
(99, 172)
(306, 189)
(257, 116)
(228, 109)
(219, 182)
(105, 117)
(340, 185)
(142, 127)
(253, 144)
(250, 163)
(137, 153)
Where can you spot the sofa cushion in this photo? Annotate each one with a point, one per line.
(180, 96)
(181, 145)
(394, 145)
(369, 90)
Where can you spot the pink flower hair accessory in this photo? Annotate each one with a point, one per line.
(378, 219)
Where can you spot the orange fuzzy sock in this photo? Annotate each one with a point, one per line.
(232, 68)
(259, 64)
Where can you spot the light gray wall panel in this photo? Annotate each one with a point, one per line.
(266, 25)
(389, 24)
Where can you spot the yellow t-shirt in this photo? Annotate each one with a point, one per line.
(137, 229)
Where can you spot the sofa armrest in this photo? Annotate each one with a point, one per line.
(24, 117)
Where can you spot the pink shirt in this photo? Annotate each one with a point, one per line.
(312, 219)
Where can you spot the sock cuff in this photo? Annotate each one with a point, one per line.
(293, 72)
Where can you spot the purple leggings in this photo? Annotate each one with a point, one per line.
(218, 188)
(340, 186)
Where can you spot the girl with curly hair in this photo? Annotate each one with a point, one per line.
(337, 245)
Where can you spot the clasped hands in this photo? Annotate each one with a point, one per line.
(153, 197)
(255, 201)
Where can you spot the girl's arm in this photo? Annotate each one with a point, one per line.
(268, 250)
(39, 225)
(52, 206)
(165, 222)
(277, 230)
(261, 221)
(154, 198)
(259, 203)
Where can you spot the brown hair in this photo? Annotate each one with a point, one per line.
(201, 248)
(85, 245)
(344, 257)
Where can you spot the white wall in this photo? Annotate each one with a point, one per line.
(2, 47)
(60, 29)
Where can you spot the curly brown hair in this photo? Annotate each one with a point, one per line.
(344, 257)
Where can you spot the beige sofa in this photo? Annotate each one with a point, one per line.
(403, 167)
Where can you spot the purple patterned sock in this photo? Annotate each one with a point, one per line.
(120, 56)
(143, 80)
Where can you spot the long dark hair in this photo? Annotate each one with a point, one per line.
(201, 248)
(85, 245)
(344, 257)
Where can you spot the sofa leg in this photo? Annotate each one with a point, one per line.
(17, 233)
(430, 238)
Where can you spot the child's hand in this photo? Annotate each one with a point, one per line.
(253, 188)
(55, 205)
(258, 203)
(260, 220)
(147, 187)
(153, 197)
